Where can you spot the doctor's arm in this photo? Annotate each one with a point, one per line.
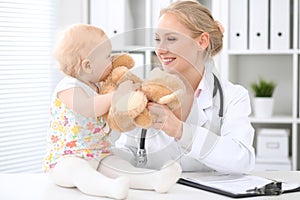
(231, 150)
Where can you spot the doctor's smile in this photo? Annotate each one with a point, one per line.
(167, 61)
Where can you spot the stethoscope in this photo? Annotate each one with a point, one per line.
(141, 154)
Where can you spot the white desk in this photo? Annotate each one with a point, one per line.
(40, 187)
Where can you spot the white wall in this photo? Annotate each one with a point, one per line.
(71, 11)
(68, 12)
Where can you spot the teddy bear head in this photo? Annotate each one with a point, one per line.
(121, 65)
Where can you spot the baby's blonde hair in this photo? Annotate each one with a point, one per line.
(74, 46)
(198, 19)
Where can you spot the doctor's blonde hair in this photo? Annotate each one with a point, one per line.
(74, 45)
(198, 19)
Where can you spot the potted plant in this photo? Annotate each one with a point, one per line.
(263, 98)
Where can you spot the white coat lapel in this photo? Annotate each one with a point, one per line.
(204, 102)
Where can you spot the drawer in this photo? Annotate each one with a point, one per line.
(272, 143)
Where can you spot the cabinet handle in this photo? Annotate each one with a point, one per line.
(273, 145)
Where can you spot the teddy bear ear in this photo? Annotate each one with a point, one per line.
(123, 59)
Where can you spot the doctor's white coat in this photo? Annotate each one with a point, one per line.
(208, 143)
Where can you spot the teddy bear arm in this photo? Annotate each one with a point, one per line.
(155, 91)
(175, 96)
(167, 99)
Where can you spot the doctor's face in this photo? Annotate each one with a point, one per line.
(175, 47)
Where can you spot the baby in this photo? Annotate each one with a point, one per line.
(78, 149)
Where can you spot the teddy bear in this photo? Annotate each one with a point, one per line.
(129, 104)
(121, 65)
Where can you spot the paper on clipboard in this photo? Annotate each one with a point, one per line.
(236, 185)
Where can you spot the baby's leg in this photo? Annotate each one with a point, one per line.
(77, 172)
(160, 181)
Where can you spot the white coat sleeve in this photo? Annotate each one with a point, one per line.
(230, 151)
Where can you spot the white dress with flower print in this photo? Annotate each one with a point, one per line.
(71, 134)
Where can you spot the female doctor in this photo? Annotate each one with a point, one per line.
(211, 131)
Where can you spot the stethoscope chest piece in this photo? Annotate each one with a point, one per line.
(141, 158)
(141, 154)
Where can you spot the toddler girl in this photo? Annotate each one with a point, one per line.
(78, 150)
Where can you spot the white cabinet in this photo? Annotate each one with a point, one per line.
(278, 64)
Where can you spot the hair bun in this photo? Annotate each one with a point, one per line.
(221, 27)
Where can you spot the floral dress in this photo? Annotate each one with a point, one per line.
(71, 134)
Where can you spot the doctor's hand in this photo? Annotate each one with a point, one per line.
(165, 120)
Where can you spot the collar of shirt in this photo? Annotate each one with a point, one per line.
(203, 93)
(200, 86)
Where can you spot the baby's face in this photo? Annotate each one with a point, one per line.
(100, 58)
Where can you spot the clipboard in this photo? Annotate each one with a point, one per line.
(239, 186)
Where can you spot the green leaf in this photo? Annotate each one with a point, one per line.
(263, 88)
